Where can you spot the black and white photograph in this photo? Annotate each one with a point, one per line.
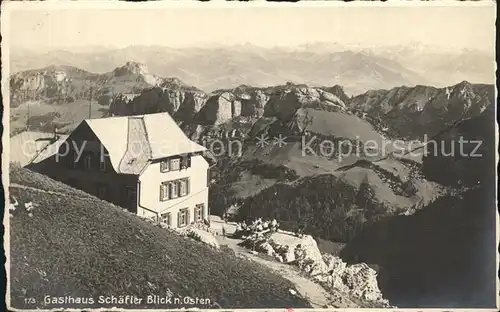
(318, 155)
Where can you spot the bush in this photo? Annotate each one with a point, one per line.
(193, 235)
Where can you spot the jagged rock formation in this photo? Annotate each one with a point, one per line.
(64, 94)
(284, 102)
(223, 105)
(414, 112)
(359, 280)
(136, 69)
(52, 84)
(182, 103)
(66, 84)
(231, 110)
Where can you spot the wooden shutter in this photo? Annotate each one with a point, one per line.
(182, 188)
(164, 191)
(187, 217)
(179, 218)
(164, 166)
(174, 190)
(187, 186)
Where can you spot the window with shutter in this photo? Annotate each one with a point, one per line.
(164, 166)
(166, 218)
(164, 191)
(175, 164)
(186, 162)
(183, 187)
(198, 212)
(174, 190)
(183, 217)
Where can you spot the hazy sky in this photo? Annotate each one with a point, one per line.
(57, 25)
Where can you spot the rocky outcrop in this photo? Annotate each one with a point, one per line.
(179, 103)
(420, 110)
(136, 69)
(219, 109)
(359, 280)
(66, 84)
(286, 100)
(50, 84)
(199, 234)
(281, 102)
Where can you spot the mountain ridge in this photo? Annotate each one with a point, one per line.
(132, 89)
(217, 67)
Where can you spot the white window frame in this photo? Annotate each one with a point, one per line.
(164, 191)
(183, 187)
(184, 212)
(165, 166)
(166, 218)
(186, 162)
(177, 162)
(174, 189)
(198, 212)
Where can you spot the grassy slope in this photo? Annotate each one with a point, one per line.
(79, 245)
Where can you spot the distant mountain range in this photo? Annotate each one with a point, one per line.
(357, 69)
(407, 112)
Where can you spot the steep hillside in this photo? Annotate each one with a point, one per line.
(443, 256)
(64, 242)
(414, 112)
